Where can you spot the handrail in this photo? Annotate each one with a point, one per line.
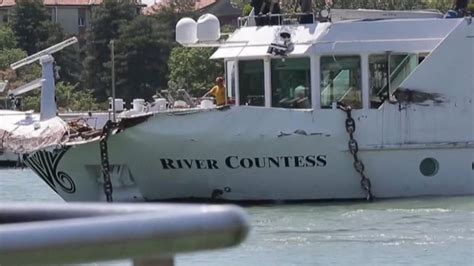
(79, 232)
(48, 51)
(282, 19)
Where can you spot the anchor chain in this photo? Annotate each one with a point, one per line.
(354, 149)
(104, 158)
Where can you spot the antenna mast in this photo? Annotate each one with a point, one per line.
(47, 82)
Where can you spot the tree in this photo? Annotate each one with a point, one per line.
(170, 12)
(9, 52)
(9, 56)
(68, 59)
(68, 97)
(30, 22)
(197, 74)
(107, 20)
(175, 7)
(34, 30)
(142, 51)
(291, 6)
(8, 39)
(442, 5)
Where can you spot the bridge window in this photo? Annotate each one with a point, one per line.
(341, 81)
(400, 66)
(291, 83)
(251, 83)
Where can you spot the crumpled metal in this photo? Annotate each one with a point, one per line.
(23, 134)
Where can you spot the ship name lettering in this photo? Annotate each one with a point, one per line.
(188, 164)
(236, 162)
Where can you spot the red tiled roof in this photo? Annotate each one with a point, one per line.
(72, 2)
(200, 4)
(10, 3)
(7, 3)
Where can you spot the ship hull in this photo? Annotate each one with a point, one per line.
(271, 155)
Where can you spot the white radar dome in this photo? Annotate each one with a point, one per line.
(208, 28)
(186, 31)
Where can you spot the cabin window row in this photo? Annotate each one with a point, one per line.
(340, 80)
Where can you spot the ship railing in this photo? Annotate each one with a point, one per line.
(148, 234)
(276, 19)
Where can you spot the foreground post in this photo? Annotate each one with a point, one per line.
(147, 233)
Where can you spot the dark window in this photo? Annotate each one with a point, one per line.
(4, 15)
(401, 65)
(81, 15)
(251, 83)
(291, 83)
(429, 167)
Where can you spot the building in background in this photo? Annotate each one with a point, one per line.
(223, 9)
(74, 16)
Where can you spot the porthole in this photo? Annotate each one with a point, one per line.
(429, 167)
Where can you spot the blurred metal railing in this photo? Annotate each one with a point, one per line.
(276, 19)
(149, 234)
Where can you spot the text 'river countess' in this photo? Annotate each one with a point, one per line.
(236, 162)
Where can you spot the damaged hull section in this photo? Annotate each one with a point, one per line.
(414, 137)
(204, 155)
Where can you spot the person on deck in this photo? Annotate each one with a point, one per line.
(307, 9)
(263, 8)
(218, 91)
(460, 5)
(459, 9)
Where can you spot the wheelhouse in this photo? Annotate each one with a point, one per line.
(359, 63)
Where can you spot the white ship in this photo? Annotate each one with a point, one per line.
(327, 110)
(13, 122)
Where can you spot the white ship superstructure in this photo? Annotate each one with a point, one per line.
(325, 110)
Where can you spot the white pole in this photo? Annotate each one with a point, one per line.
(113, 78)
(237, 83)
(267, 82)
(315, 82)
(48, 101)
(365, 81)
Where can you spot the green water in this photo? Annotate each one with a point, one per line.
(424, 231)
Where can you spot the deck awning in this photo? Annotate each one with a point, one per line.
(250, 42)
(254, 51)
(348, 37)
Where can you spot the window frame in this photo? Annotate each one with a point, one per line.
(309, 79)
(239, 94)
(361, 84)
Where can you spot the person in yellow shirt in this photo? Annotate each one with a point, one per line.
(218, 91)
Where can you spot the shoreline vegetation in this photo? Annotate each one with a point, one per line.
(147, 58)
